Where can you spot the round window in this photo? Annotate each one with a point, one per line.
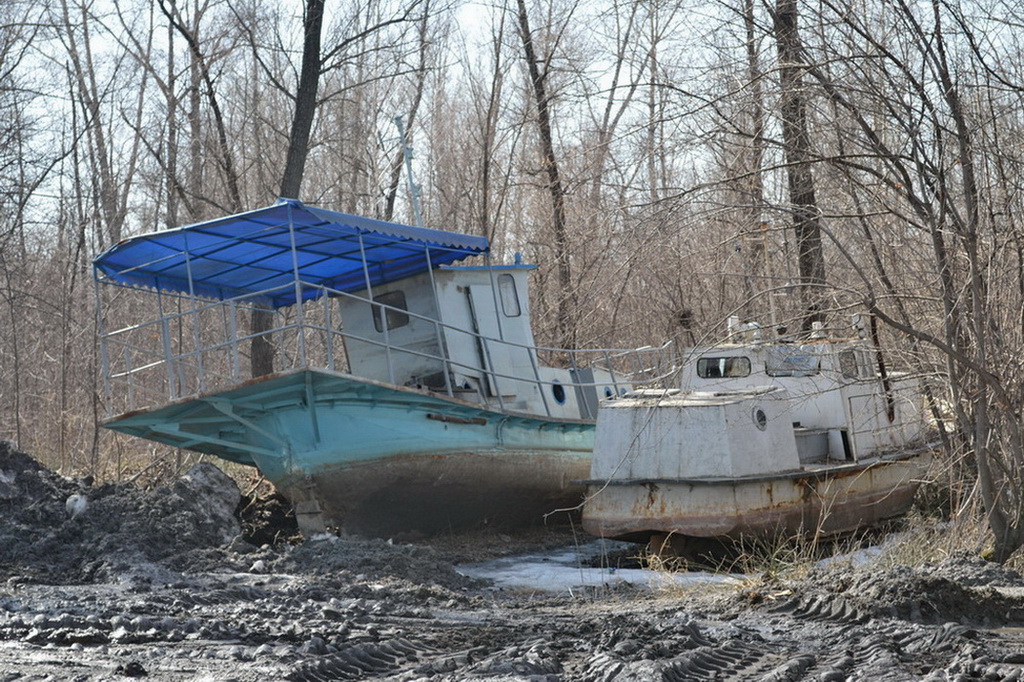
(760, 419)
(558, 391)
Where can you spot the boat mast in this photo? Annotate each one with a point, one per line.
(414, 189)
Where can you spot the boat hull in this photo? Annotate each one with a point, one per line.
(375, 459)
(823, 500)
(405, 496)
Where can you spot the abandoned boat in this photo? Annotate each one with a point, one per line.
(408, 394)
(760, 439)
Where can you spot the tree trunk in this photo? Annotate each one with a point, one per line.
(262, 350)
(796, 142)
(305, 101)
(755, 232)
(399, 160)
(566, 296)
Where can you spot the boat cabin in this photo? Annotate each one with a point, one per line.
(465, 331)
(760, 439)
(837, 401)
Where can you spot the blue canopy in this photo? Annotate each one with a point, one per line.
(270, 247)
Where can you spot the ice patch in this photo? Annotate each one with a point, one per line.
(568, 569)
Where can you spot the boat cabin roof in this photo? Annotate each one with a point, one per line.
(267, 251)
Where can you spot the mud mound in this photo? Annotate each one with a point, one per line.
(370, 559)
(961, 589)
(913, 596)
(165, 586)
(62, 530)
(267, 520)
(971, 570)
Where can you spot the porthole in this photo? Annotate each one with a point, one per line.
(558, 393)
(760, 419)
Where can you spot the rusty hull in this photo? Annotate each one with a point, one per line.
(816, 499)
(427, 495)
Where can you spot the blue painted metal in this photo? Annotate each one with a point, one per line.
(251, 252)
(307, 419)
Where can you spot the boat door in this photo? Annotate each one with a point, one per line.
(503, 352)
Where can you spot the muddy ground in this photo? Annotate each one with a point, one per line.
(113, 582)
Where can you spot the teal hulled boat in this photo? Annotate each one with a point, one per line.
(407, 394)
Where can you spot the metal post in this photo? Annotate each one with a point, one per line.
(101, 330)
(129, 368)
(298, 288)
(236, 370)
(439, 319)
(196, 338)
(379, 310)
(165, 332)
(329, 329)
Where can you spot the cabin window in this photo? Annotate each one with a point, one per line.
(867, 364)
(792, 363)
(509, 296)
(394, 318)
(716, 368)
(848, 364)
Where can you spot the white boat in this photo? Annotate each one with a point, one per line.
(408, 394)
(759, 439)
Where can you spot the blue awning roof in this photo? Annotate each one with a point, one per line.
(252, 252)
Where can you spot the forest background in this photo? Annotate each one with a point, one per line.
(667, 163)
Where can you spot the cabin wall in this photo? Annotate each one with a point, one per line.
(693, 437)
(595, 385)
(484, 331)
(871, 430)
(370, 358)
(844, 395)
(826, 410)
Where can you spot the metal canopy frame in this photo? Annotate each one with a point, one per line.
(283, 253)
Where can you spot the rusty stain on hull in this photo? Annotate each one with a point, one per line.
(442, 493)
(831, 501)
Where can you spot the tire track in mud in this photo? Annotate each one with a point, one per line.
(138, 585)
(305, 630)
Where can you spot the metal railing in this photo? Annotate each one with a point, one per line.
(191, 347)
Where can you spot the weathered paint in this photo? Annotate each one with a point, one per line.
(695, 435)
(381, 459)
(827, 500)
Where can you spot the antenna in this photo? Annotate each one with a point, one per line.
(414, 189)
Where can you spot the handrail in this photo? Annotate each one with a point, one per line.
(191, 372)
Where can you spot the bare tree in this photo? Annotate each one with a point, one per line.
(538, 73)
(916, 105)
(797, 145)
